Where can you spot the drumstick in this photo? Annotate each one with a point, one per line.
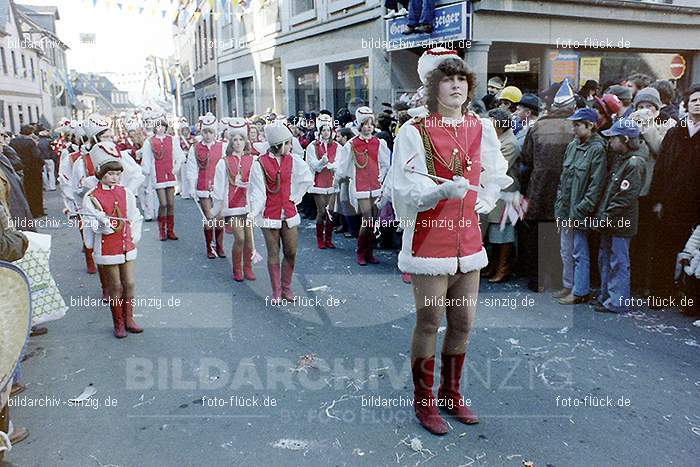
(436, 178)
(79, 213)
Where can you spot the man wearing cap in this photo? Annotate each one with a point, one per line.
(623, 93)
(580, 186)
(527, 112)
(617, 214)
(542, 156)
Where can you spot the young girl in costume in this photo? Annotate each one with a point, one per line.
(278, 181)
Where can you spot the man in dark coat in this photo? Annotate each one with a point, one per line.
(675, 192)
(542, 156)
(33, 167)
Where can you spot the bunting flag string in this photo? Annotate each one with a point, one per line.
(174, 9)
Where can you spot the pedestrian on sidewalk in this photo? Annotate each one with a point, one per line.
(162, 158)
(33, 166)
(201, 167)
(618, 213)
(364, 160)
(580, 187)
(230, 196)
(321, 156)
(115, 221)
(446, 141)
(278, 181)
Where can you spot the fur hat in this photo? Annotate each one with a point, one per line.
(236, 126)
(432, 58)
(362, 114)
(277, 134)
(209, 121)
(95, 124)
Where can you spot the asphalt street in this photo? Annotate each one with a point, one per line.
(220, 377)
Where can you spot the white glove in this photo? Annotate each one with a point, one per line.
(323, 161)
(484, 204)
(455, 189)
(330, 166)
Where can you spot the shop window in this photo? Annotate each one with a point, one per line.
(302, 10)
(247, 96)
(350, 84)
(306, 89)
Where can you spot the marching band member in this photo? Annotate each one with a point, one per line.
(231, 196)
(321, 156)
(186, 141)
(130, 142)
(442, 158)
(161, 160)
(115, 221)
(253, 137)
(364, 160)
(201, 167)
(278, 181)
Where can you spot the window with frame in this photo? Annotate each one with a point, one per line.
(247, 96)
(196, 48)
(302, 7)
(4, 60)
(306, 89)
(14, 62)
(29, 111)
(24, 66)
(211, 39)
(31, 64)
(20, 114)
(205, 44)
(350, 84)
(11, 118)
(37, 112)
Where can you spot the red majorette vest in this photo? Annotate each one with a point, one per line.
(206, 164)
(163, 158)
(113, 203)
(324, 178)
(365, 156)
(452, 227)
(278, 184)
(89, 166)
(238, 166)
(127, 145)
(185, 144)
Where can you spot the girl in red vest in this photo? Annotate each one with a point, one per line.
(162, 157)
(201, 166)
(364, 160)
(231, 196)
(442, 158)
(321, 156)
(115, 222)
(278, 181)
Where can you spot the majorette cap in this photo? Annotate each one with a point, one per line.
(323, 120)
(182, 122)
(76, 128)
(104, 152)
(152, 113)
(95, 124)
(277, 134)
(565, 94)
(209, 121)
(432, 58)
(362, 114)
(64, 126)
(236, 126)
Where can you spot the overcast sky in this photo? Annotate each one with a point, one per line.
(123, 39)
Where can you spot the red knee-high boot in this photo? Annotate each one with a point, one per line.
(171, 227)
(237, 256)
(450, 398)
(129, 322)
(362, 248)
(162, 226)
(103, 284)
(248, 263)
(328, 234)
(116, 306)
(89, 261)
(219, 236)
(424, 403)
(287, 273)
(275, 280)
(208, 237)
(370, 247)
(319, 236)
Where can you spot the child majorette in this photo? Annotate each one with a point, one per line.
(364, 160)
(201, 167)
(278, 181)
(441, 159)
(98, 132)
(231, 196)
(131, 142)
(321, 156)
(186, 141)
(113, 218)
(69, 155)
(161, 160)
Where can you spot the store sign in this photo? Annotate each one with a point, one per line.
(564, 65)
(678, 66)
(452, 24)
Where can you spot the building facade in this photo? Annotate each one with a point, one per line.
(307, 55)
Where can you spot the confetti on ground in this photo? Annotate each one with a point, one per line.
(87, 393)
(304, 362)
(320, 287)
(292, 444)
